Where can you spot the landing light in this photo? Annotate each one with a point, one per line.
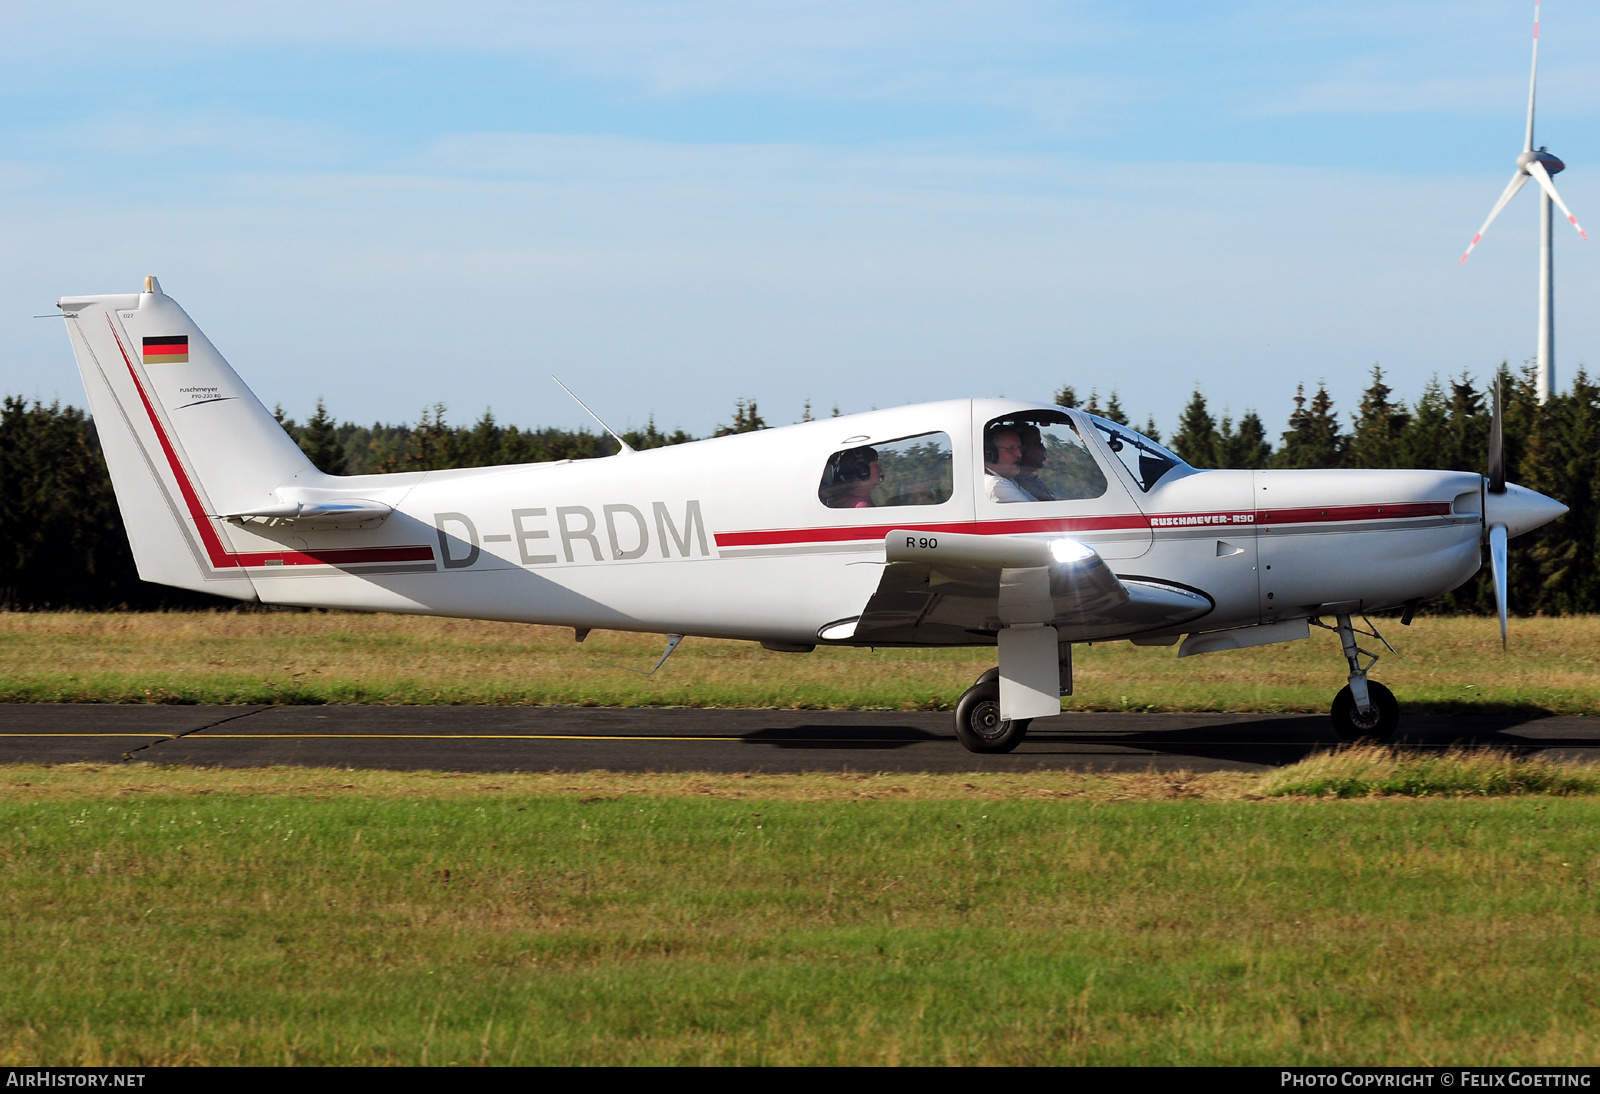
(1070, 550)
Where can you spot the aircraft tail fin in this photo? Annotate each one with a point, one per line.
(185, 440)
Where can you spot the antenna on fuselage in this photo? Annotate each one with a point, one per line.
(672, 644)
(626, 447)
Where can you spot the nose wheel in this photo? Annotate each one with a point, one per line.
(1377, 723)
(1364, 710)
(978, 723)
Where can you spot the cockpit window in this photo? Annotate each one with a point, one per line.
(1038, 456)
(1146, 460)
(910, 471)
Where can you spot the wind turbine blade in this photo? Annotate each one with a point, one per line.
(1547, 184)
(1517, 182)
(1497, 563)
(1533, 80)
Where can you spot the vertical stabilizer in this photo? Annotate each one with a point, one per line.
(183, 437)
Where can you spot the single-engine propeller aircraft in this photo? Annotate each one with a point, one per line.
(977, 522)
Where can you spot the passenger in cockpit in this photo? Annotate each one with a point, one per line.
(850, 477)
(1032, 462)
(1002, 462)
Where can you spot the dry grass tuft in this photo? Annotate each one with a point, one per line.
(1373, 771)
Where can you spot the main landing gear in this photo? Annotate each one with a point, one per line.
(978, 722)
(1364, 710)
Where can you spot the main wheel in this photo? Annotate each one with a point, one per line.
(1377, 724)
(978, 722)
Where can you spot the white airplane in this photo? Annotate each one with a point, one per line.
(977, 522)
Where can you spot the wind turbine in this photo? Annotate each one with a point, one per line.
(1537, 164)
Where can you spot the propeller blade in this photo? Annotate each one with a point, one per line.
(1547, 184)
(1517, 182)
(1533, 79)
(1497, 563)
(1497, 453)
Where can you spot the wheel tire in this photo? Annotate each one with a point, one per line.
(978, 723)
(1378, 724)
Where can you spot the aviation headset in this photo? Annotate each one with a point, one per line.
(991, 451)
(851, 465)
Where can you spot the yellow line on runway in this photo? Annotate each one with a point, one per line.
(451, 737)
(201, 735)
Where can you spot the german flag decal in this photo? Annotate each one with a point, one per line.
(171, 349)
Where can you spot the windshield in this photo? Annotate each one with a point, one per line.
(1145, 460)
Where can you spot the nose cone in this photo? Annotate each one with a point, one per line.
(1520, 510)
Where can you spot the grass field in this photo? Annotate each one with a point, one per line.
(168, 916)
(1443, 664)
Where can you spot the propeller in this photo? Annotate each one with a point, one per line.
(1495, 534)
(1497, 454)
(1497, 561)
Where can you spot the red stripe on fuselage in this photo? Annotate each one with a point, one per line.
(1332, 513)
(338, 556)
(774, 536)
(220, 556)
(1121, 522)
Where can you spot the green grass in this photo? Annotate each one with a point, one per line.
(1443, 665)
(158, 916)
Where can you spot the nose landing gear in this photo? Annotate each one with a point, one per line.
(978, 723)
(1364, 710)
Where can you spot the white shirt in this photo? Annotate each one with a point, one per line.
(1000, 488)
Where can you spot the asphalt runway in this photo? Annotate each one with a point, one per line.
(502, 739)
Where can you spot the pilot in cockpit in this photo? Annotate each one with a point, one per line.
(1002, 463)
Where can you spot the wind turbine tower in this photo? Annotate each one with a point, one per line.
(1537, 164)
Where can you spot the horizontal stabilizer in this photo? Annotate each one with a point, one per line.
(343, 512)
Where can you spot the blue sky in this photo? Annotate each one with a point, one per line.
(672, 206)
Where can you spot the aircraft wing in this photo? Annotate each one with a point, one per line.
(949, 588)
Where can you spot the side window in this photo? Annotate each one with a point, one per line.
(910, 471)
(1038, 456)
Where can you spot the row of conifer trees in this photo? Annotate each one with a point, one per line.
(62, 544)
